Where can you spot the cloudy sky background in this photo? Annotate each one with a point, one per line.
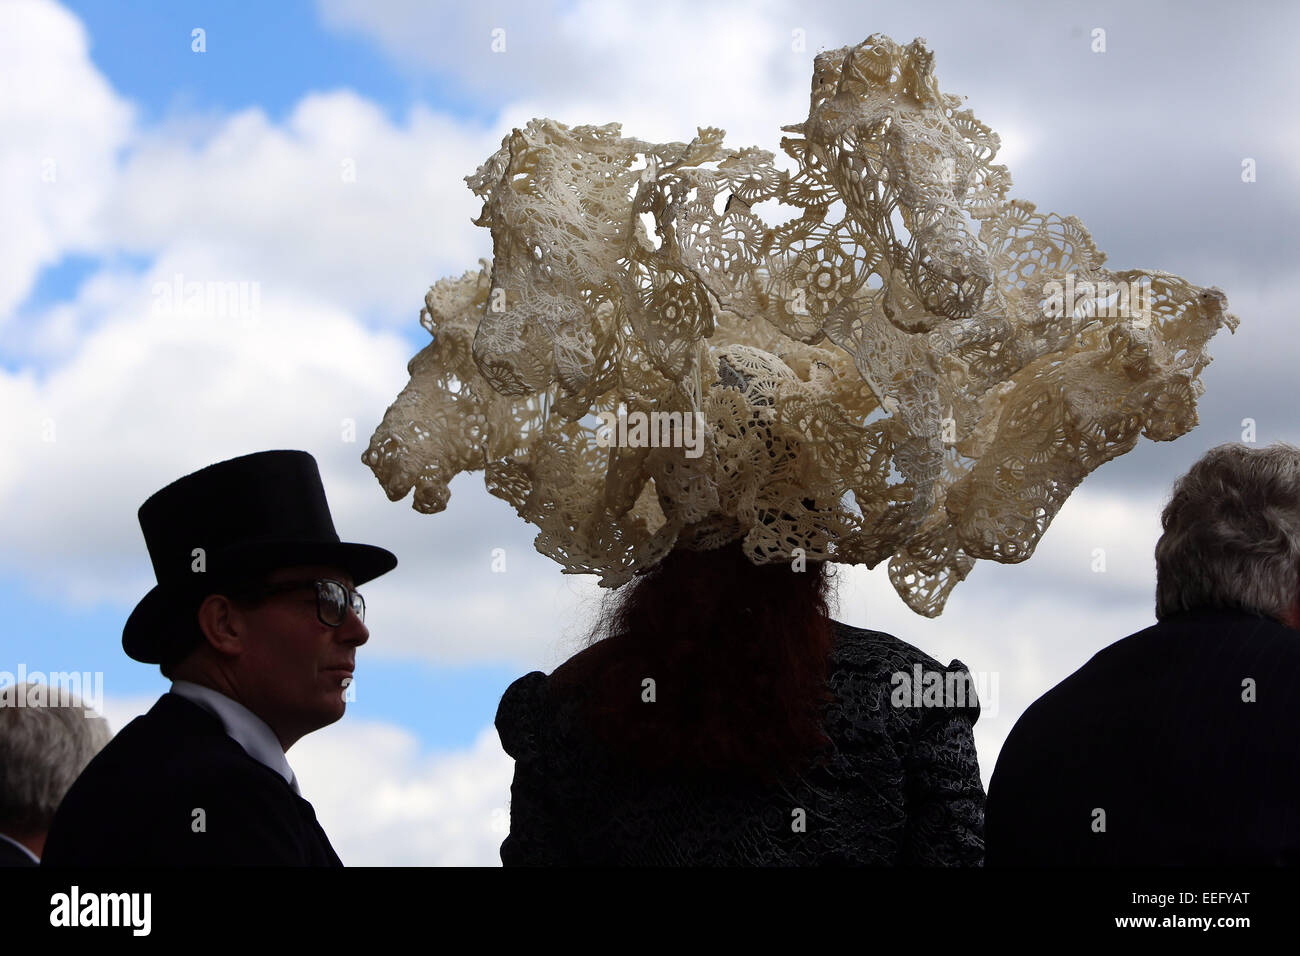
(226, 166)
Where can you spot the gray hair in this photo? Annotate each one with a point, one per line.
(1232, 533)
(43, 749)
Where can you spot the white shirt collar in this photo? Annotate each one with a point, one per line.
(243, 726)
(9, 839)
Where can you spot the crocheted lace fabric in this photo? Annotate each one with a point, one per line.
(875, 356)
(902, 786)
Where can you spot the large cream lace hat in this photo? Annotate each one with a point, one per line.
(888, 359)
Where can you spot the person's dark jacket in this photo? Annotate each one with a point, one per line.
(137, 802)
(1174, 746)
(902, 786)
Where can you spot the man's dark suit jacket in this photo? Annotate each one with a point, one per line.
(135, 803)
(1154, 731)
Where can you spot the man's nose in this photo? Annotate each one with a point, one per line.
(352, 630)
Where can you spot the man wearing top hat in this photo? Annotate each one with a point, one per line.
(256, 620)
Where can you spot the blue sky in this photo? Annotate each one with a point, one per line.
(223, 165)
(266, 55)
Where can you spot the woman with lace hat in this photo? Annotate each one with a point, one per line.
(885, 376)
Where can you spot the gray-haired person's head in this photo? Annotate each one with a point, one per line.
(1232, 534)
(43, 749)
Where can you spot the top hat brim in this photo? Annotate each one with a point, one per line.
(151, 628)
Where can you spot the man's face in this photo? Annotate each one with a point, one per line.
(294, 669)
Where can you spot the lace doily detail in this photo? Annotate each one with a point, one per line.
(911, 366)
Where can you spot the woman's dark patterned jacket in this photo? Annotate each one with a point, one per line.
(901, 787)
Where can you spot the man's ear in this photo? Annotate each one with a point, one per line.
(222, 624)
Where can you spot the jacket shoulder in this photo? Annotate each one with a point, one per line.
(173, 788)
(869, 650)
(874, 666)
(522, 708)
(174, 743)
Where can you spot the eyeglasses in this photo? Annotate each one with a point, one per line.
(333, 598)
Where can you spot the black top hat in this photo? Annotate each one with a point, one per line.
(238, 517)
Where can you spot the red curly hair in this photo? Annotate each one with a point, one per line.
(738, 654)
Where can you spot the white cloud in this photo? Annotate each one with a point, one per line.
(337, 201)
(661, 72)
(383, 803)
(145, 398)
(61, 124)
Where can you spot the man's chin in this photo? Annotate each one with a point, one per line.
(330, 710)
(336, 711)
